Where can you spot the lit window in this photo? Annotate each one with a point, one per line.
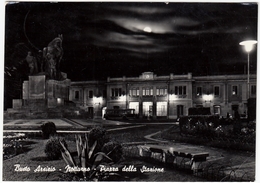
(134, 92)
(157, 91)
(151, 91)
(199, 91)
(234, 90)
(161, 91)
(137, 92)
(147, 91)
(161, 109)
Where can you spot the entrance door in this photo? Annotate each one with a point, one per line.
(135, 106)
(91, 111)
(216, 109)
(234, 110)
(179, 110)
(104, 111)
(147, 108)
(161, 109)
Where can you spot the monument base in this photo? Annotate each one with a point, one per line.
(44, 98)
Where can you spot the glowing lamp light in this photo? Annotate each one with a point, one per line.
(97, 100)
(147, 29)
(207, 98)
(249, 45)
(59, 100)
(172, 97)
(122, 98)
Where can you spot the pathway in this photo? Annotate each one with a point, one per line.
(236, 160)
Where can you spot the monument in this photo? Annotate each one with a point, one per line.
(47, 88)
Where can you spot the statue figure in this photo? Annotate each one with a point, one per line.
(53, 54)
(41, 61)
(32, 62)
(52, 68)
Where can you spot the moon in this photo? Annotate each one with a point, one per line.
(147, 29)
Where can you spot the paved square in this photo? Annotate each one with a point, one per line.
(37, 122)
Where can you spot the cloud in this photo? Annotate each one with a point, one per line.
(178, 30)
(135, 25)
(134, 43)
(140, 9)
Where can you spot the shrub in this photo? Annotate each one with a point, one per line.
(12, 148)
(90, 157)
(98, 134)
(53, 148)
(204, 131)
(251, 125)
(113, 150)
(12, 144)
(237, 126)
(48, 129)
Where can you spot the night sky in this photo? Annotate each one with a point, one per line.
(126, 39)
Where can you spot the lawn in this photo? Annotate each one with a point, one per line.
(221, 138)
(31, 155)
(31, 163)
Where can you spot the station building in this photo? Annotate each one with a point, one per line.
(165, 96)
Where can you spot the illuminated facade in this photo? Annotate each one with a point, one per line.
(89, 95)
(165, 96)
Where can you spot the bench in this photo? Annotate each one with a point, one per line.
(170, 155)
(195, 159)
(151, 152)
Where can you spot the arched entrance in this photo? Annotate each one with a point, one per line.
(103, 112)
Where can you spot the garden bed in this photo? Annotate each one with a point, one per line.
(225, 139)
(16, 167)
(34, 156)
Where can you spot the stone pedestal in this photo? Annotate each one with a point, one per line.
(53, 92)
(37, 87)
(57, 92)
(26, 90)
(41, 95)
(17, 103)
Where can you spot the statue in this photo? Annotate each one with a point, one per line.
(40, 61)
(32, 62)
(52, 55)
(52, 68)
(48, 60)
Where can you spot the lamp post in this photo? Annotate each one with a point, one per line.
(248, 45)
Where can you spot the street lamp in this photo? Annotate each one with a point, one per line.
(248, 45)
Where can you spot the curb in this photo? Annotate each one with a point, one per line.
(149, 137)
